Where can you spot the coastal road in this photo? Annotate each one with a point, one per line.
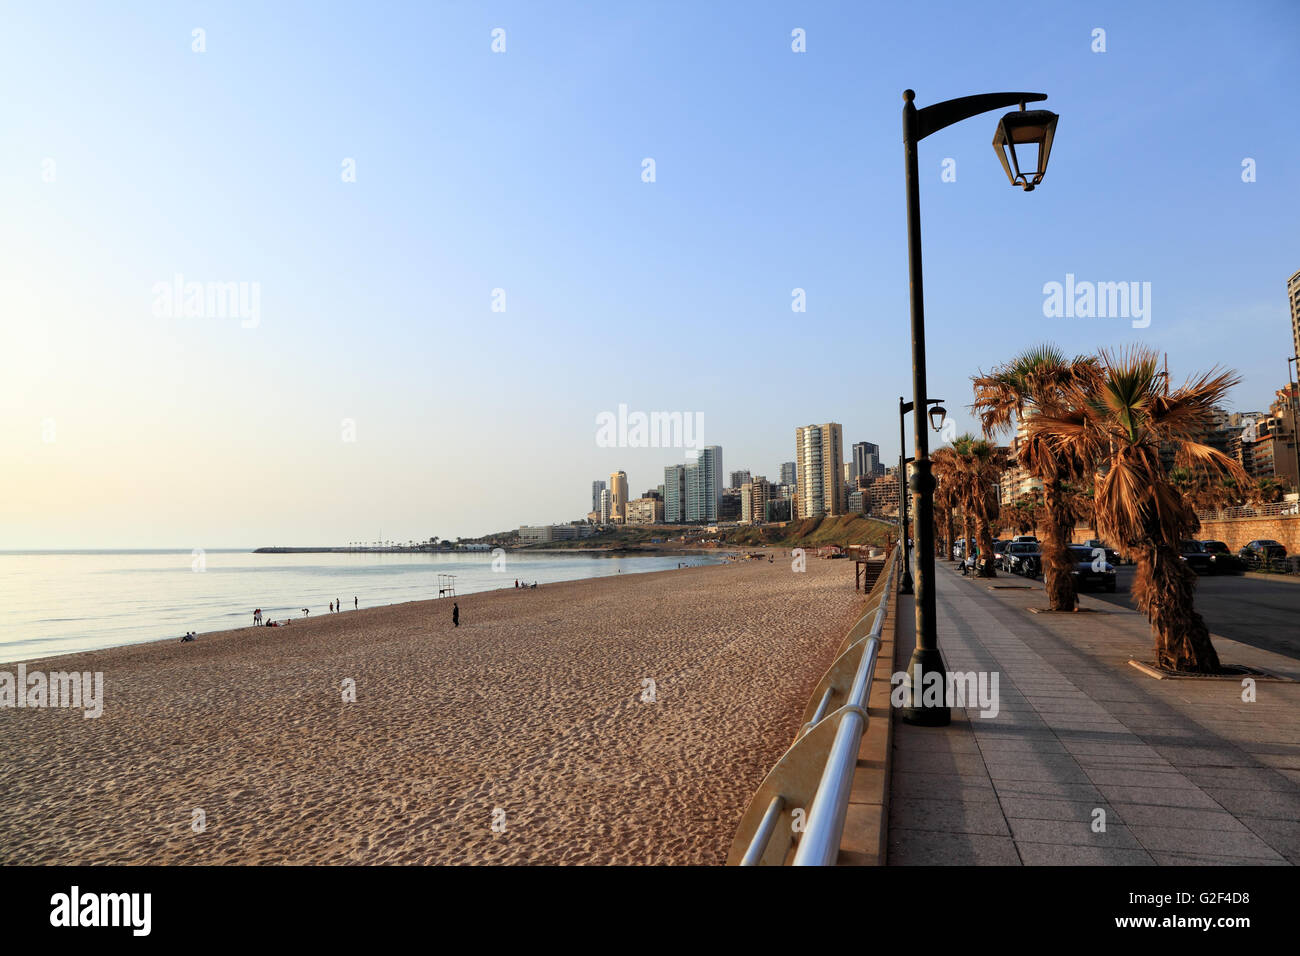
(1256, 611)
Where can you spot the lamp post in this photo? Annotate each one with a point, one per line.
(905, 585)
(1037, 128)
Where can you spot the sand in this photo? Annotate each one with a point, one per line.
(239, 747)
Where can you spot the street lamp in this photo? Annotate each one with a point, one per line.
(937, 415)
(1037, 127)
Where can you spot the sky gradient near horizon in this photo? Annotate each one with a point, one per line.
(130, 159)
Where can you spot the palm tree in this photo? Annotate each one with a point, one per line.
(1041, 381)
(947, 498)
(1121, 423)
(980, 467)
(1265, 490)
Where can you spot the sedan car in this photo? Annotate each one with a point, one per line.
(1194, 555)
(1262, 551)
(1222, 561)
(1022, 557)
(1091, 570)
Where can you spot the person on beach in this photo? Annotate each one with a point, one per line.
(455, 614)
(354, 602)
(331, 607)
(306, 611)
(516, 584)
(257, 617)
(338, 605)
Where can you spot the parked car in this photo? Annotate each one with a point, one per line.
(999, 549)
(1194, 555)
(1023, 557)
(1262, 551)
(1091, 569)
(1023, 538)
(1111, 554)
(1222, 560)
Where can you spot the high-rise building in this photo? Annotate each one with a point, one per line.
(866, 460)
(738, 478)
(704, 486)
(754, 496)
(618, 497)
(820, 457)
(674, 494)
(596, 488)
(1293, 296)
(788, 473)
(604, 506)
(645, 511)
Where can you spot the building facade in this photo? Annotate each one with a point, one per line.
(596, 488)
(704, 486)
(866, 460)
(645, 511)
(618, 497)
(674, 494)
(789, 473)
(820, 461)
(1293, 297)
(738, 478)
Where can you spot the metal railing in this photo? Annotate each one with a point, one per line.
(1271, 510)
(817, 771)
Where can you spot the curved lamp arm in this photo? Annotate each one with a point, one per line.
(935, 117)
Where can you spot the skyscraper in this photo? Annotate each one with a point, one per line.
(866, 460)
(819, 453)
(604, 506)
(1293, 296)
(739, 478)
(788, 473)
(674, 494)
(704, 486)
(618, 496)
(596, 488)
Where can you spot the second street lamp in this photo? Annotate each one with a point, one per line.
(937, 415)
(1039, 128)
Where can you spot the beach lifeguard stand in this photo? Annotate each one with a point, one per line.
(446, 585)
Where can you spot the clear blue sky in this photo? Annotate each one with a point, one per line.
(522, 171)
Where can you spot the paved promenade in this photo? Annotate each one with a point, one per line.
(1186, 772)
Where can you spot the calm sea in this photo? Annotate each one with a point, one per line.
(60, 602)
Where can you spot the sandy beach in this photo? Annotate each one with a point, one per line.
(519, 737)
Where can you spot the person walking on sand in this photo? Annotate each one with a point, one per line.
(257, 617)
(354, 602)
(455, 614)
(338, 605)
(331, 607)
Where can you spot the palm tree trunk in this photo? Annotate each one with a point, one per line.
(986, 547)
(1057, 522)
(1164, 587)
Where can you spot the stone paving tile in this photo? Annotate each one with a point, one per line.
(1161, 796)
(1244, 778)
(1262, 803)
(1282, 835)
(1124, 777)
(1145, 814)
(923, 848)
(1053, 854)
(1199, 859)
(965, 765)
(1202, 841)
(1071, 833)
(907, 786)
(1048, 788)
(949, 816)
(1039, 807)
